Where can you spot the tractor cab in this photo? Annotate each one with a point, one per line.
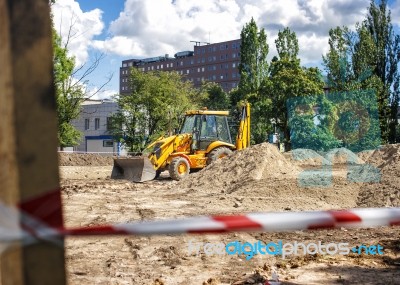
(206, 127)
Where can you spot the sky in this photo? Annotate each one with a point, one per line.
(125, 29)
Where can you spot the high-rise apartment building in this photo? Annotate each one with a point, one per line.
(216, 62)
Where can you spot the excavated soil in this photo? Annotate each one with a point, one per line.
(253, 180)
(87, 159)
(258, 163)
(387, 192)
(305, 157)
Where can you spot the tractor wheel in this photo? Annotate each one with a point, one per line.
(218, 153)
(179, 168)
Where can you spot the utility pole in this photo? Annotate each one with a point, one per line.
(28, 138)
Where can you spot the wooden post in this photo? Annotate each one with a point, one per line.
(28, 136)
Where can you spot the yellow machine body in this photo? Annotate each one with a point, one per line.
(204, 137)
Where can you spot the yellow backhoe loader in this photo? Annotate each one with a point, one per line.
(203, 138)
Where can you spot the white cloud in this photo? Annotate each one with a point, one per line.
(395, 7)
(102, 94)
(76, 27)
(155, 27)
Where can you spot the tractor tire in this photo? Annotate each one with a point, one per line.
(217, 153)
(179, 168)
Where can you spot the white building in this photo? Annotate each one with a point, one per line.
(94, 124)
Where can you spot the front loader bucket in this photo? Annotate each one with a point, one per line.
(137, 169)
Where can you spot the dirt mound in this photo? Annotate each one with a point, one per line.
(251, 164)
(342, 156)
(84, 159)
(306, 157)
(386, 155)
(387, 192)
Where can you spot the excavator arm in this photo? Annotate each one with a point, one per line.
(243, 135)
(163, 148)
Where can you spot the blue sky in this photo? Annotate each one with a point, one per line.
(124, 29)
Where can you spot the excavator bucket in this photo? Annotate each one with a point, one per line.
(137, 169)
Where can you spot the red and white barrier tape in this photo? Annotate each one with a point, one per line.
(41, 226)
(267, 222)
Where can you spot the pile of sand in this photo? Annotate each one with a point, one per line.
(387, 192)
(342, 156)
(84, 159)
(260, 178)
(306, 157)
(255, 163)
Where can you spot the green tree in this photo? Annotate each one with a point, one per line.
(287, 45)
(70, 83)
(288, 79)
(215, 97)
(337, 61)
(368, 58)
(253, 67)
(154, 107)
(309, 128)
(387, 56)
(68, 96)
(253, 70)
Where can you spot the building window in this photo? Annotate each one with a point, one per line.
(97, 123)
(187, 71)
(191, 61)
(234, 55)
(172, 64)
(87, 124)
(108, 143)
(202, 69)
(162, 65)
(124, 65)
(108, 123)
(234, 64)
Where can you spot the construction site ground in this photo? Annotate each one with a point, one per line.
(256, 180)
